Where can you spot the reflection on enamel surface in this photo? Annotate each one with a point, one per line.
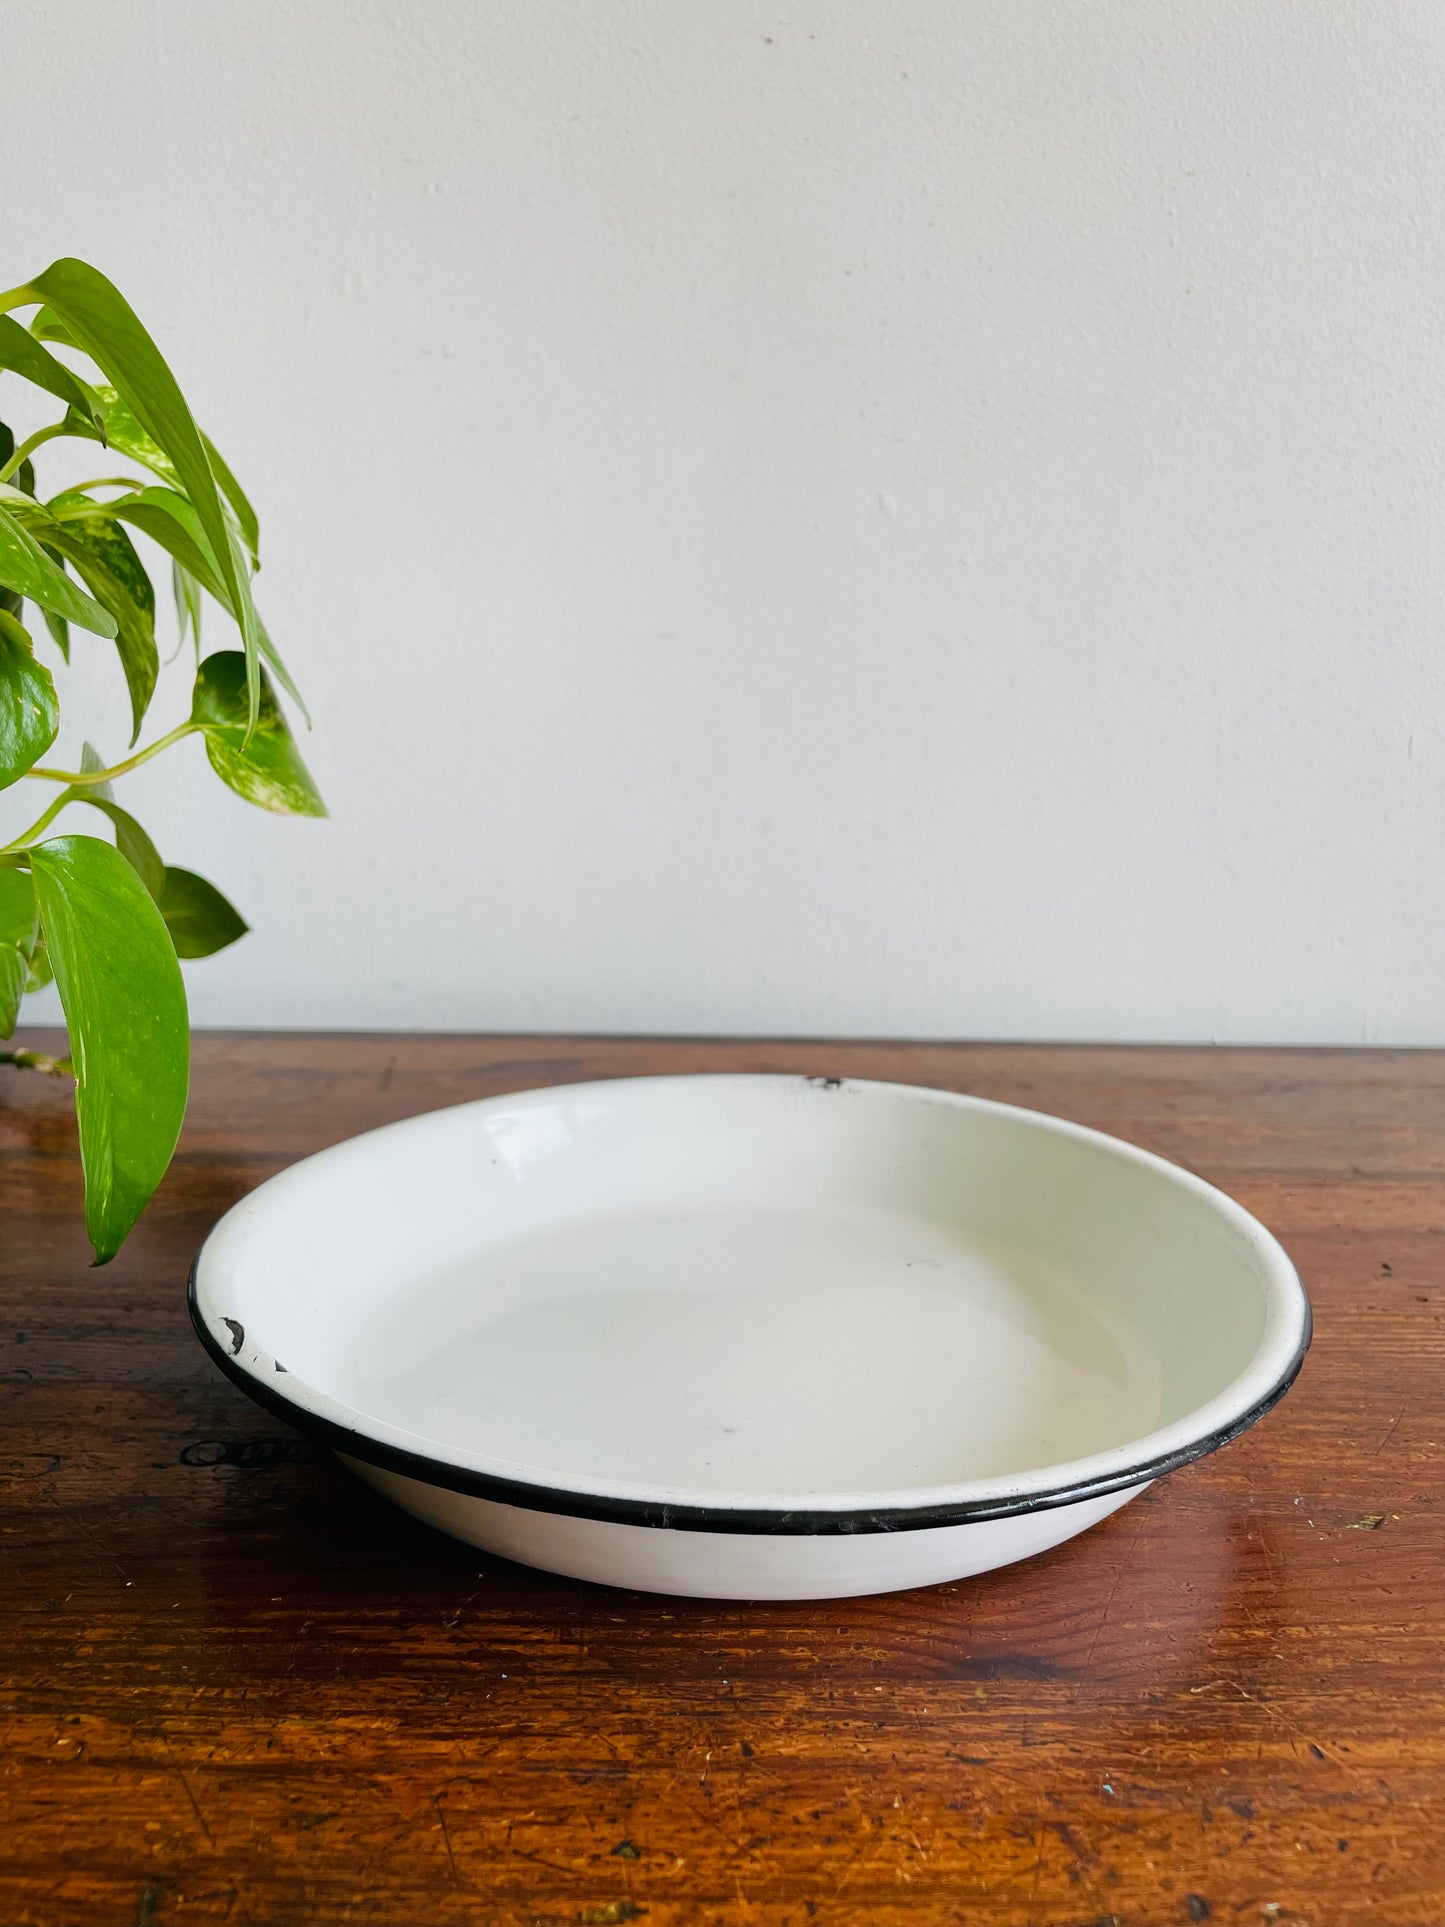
(523, 1138)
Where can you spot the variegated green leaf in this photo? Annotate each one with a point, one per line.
(19, 929)
(96, 316)
(103, 555)
(29, 712)
(264, 767)
(29, 571)
(25, 356)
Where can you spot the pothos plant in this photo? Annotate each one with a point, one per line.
(109, 920)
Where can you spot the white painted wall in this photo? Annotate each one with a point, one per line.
(887, 518)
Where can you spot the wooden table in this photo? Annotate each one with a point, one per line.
(238, 1688)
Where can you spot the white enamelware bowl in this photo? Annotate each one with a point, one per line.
(752, 1337)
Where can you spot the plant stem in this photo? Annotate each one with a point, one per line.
(80, 780)
(83, 779)
(28, 447)
(34, 1060)
(110, 481)
(43, 822)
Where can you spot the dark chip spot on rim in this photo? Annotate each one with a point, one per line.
(238, 1334)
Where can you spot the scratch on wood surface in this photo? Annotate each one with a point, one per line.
(446, 1839)
(1038, 1871)
(1124, 1566)
(1390, 1431)
(1257, 1535)
(196, 1809)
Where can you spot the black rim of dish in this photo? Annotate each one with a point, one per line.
(822, 1522)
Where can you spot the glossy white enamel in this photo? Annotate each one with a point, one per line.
(763, 1294)
(729, 1565)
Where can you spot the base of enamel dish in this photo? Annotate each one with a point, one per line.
(736, 1565)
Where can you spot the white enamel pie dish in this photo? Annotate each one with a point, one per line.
(752, 1337)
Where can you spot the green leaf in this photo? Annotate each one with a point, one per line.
(46, 325)
(136, 847)
(130, 839)
(12, 603)
(245, 515)
(118, 428)
(172, 523)
(14, 975)
(278, 669)
(59, 631)
(268, 769)
(26, 568)
(96, 315)
(24, 478)
(198, 917)
(104, 556)
(29, 712)
(23, 354)
(40, 972)
(187, 592)
(19, 928)
(125, 1006)
(92, 763)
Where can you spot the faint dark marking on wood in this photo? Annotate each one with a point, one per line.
(32, 1465)
(250, 1455)
(1010, 1666)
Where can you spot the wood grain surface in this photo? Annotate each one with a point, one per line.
(239, 1688)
